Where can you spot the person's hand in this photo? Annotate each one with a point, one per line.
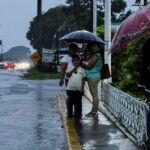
(81, 60)
(61, 82)
(75, 69)
(82, 90)
(84, 65)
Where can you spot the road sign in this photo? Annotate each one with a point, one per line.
(35, 57)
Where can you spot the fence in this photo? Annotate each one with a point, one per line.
(131, 112)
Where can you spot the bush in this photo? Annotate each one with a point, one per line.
(126, 68)
(35, 75)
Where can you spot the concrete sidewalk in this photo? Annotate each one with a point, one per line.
(98, 134)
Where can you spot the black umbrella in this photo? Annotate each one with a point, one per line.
(81, 36)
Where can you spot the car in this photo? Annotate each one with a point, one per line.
(2, 66)
(10, 65)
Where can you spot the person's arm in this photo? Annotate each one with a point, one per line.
(83, 80)
(93, 61)
(68, 74)
(62, 73)
(83, 84)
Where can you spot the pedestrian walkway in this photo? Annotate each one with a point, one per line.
(97, 134)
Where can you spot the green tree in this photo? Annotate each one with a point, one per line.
(125, 71)
(50, 22)
(62, 20)
(100, 33)
(117, 5)
(123, 16)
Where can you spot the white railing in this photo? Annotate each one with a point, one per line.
(131, 112)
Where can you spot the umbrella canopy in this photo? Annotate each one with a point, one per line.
(81, 36)
(133, 28)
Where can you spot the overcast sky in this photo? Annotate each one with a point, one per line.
(15, 16)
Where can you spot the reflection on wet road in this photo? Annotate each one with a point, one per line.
(29, 118)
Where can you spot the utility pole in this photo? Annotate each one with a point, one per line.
(145, 2)
(1, 50)
(94, 16)
(39, 48)
(108, 33)
(77, 12)
(1, 44)
(39, 8)
(91, 16)
(57, 47)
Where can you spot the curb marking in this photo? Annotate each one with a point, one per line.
(71, 134)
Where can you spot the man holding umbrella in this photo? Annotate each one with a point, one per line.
(66, 63)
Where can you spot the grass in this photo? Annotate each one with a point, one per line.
(35, 75)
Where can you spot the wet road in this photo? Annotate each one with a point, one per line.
(29, 118)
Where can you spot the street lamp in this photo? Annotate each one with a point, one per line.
(145, 2)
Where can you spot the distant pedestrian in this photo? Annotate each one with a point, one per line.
(93, 76)
(75, 88)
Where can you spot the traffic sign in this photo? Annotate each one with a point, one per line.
(35, 57)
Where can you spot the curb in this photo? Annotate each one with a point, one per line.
(70, 131)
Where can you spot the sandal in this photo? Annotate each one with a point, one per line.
(92, 115)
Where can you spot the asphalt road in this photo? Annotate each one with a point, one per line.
(29, 118)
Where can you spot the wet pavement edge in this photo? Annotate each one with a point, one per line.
(70, 131)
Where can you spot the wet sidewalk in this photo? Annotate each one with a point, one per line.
(98, 134)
